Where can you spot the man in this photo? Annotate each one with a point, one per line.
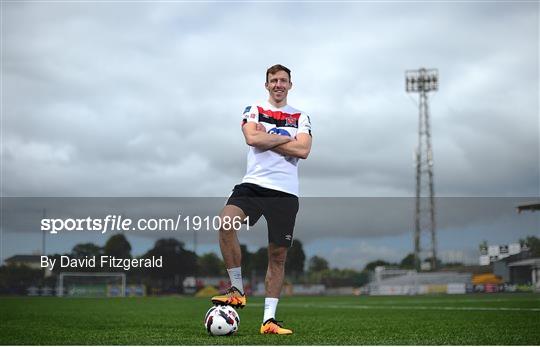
(278, 136)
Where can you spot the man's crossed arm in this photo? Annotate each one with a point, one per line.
(256, 136)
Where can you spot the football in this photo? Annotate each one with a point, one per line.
(221, 321)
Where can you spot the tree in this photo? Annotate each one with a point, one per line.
(294, 264)
(483, 247)
(371, 266)
(57, 269)
(438, 262)
(343, 278)
(260, 261)
(82, 250)
(210, 264)
(533, 243)
(247, 265)
(317, 264)
(15, 279)
(177, 263)
(408, 262)
(118, 246)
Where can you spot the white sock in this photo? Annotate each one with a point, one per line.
(270, 305)
(235, 275)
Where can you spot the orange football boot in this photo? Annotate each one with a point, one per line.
(232, 297)
(272, 326)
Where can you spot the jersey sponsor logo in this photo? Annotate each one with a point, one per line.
(279, 131)
(253, 115)
(248, 108)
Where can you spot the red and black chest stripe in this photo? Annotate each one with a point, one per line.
(278, 118)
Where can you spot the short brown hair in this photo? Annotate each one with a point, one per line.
(278, 67)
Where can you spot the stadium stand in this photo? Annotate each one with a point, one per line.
(408, 282)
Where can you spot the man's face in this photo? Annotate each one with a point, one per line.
(278, 86)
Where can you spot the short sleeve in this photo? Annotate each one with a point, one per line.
(250, 114)
(304, 124)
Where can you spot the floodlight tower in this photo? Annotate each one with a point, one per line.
(423, 81)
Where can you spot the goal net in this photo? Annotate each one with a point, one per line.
(91, 284)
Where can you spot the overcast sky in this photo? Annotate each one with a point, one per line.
(145, 99)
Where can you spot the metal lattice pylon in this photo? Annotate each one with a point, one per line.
(423, 81)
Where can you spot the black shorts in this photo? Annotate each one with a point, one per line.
(278, 208)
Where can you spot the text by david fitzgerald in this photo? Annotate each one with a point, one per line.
(104, 261)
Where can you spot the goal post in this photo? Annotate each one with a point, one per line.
(91, 284)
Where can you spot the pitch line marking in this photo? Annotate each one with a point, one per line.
(434, 301)
(396, 307)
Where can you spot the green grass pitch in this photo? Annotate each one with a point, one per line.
(487, 319)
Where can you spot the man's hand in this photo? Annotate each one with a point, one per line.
(298, 148)
(260, 127)
(256, 136)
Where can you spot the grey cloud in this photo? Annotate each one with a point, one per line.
(153, 94)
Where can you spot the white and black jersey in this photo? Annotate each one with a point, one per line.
(267, 168)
